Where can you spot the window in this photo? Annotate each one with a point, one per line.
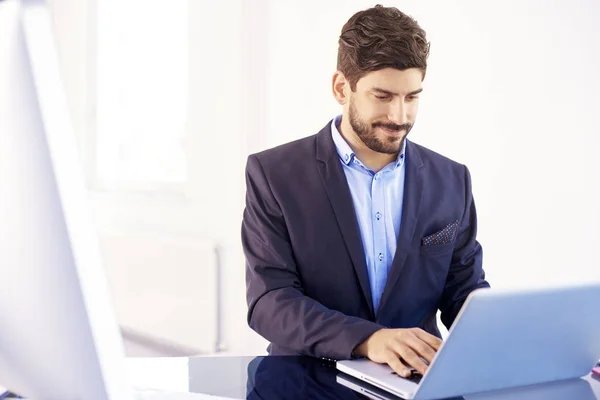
(142, 97)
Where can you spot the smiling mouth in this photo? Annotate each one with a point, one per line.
(391, 132)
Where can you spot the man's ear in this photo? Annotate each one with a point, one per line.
(340, 87)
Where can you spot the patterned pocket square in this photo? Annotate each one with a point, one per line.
(444, 236)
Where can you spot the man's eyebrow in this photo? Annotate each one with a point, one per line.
(383, 91)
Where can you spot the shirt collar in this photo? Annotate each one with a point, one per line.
(343, 148)
(345, 152)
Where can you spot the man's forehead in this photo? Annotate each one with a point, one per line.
(392, 80)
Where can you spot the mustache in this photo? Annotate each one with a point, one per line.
(393, 127)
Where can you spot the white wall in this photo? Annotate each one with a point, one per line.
(511, 91)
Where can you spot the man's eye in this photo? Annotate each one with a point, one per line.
(382, 97)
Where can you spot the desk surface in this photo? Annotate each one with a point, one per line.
(301, 378)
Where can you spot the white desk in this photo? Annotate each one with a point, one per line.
(299, 378)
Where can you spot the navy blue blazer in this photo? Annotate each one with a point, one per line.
(307, 283)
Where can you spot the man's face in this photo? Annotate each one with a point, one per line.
(384, 106)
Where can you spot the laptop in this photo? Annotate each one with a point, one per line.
(368, 391)
(60, 338)
(579, 389)
(503, 339)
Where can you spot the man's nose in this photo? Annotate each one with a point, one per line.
(397, 113)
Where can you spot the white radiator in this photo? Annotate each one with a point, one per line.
(165, 292)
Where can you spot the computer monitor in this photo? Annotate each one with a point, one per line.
(58, 334)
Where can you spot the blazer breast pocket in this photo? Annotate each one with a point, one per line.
(437, 249)
(441, 241)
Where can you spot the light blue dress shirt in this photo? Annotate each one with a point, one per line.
(377, 199)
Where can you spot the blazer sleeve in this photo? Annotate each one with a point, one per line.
(466, 271)
(278, 309)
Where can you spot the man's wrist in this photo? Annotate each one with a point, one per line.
(360, 344)
(361, 349)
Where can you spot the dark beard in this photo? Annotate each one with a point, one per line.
(367, 134)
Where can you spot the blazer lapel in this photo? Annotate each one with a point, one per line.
(337, 188)
(413, 191)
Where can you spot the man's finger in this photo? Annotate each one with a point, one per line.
(393, 360)
(422, 348)
(428, 338)
(412, 358)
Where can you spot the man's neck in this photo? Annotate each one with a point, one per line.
(373, 160)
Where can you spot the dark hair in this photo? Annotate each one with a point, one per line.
(378, 38)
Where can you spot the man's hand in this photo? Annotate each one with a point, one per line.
(387, 346)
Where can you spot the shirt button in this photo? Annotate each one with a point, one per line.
(380, 257)
(378, 216)
(347, 157)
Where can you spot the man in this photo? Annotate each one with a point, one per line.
(355, 237)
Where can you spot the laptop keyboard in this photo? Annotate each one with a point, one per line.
(414, 377)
